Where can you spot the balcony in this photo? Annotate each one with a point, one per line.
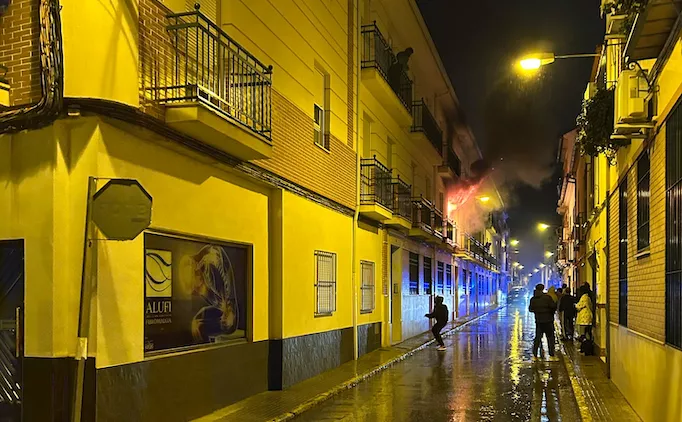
(401, 205)
(425, 127)
(452, 167)
(376, 190)
(387, 81)
(212, 88)
(422, 209)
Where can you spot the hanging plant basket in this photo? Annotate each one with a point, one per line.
(595, 126)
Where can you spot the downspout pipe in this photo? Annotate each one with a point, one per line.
(607, 249)
(47, 109)
(355, 264)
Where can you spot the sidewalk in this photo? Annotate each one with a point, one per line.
(598, 398)
(285, 405)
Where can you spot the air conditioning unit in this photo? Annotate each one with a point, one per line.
(631, 108)
(631, 97)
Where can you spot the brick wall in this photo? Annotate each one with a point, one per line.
(295, 156)
(155, 54)
(646, 275)
(19, 50)
(613, 255)
(298, 159)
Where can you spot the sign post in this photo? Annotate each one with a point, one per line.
(121, 210)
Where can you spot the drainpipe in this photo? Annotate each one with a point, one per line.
(607, 248)
(355, 262)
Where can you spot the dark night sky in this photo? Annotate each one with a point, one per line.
(518, 119)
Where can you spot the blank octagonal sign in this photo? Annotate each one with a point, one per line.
(122, 209)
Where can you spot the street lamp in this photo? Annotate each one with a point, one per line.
(543, 226)
(484, 199)
(535, 61)
(535, 270)
(548, 254)
(542, 265)
(514, 242)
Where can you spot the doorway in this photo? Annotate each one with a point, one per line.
(11, 328)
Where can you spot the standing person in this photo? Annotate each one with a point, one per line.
(440, 313)
(543, 306)
(584, 308)
(552, 293)
(560, 295)
(567, 308)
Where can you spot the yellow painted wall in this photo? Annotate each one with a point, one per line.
(101, 53)
(51, 167)
(369, 248)
(648, 374)
(293, 36)
(307, 227)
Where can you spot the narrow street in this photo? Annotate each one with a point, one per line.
(485, 375)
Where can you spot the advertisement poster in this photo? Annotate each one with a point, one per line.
(195, 292)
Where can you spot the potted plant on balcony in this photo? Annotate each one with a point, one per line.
(621, 14)
(595, 126)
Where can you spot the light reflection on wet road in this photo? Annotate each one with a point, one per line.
(486, 375)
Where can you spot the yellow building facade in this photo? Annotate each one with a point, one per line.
(299, 181)
(634, 231)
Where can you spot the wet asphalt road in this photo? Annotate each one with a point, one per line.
(485, 375)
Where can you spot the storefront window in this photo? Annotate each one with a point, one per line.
(195, 292)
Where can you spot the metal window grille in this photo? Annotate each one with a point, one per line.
(643, 200)
(673, 227)
(367, 286)
(623, 254)
(376, 185)
(440, 278)
(423, 121)
(428, 279)
(414, 273)
(325, 283)
(401, 199)
(448, 279)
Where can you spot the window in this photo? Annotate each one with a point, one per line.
(214, 310)
(623, 253)
(440, 278)
(414, 273)
(673, 229)
(367, 286)
(325, 283)
(448, 279)
(427, 276)
(643, 200)
(321, 109)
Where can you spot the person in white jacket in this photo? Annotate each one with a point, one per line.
(584, 308)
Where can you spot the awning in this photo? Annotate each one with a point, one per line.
(651, 29)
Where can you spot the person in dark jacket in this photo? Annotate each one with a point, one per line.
(567, 307)
(543, 306)
(440, 313)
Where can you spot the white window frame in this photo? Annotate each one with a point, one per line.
(320, 134)
(325, 283)
(367, 287)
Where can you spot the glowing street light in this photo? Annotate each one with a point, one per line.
(542, 265)
(484, 199)
(543, 226)
(535, 270)
(515, 264)
(533, 62)
(514, 242)
(548, 254)
(521, 267)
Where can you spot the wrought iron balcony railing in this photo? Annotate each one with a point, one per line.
(402, 199)
(376, 185)
(421, 213)
(377, 54)
(450, 232)
(437, 224)
(453, 162)
(210, 67)
(423, 121)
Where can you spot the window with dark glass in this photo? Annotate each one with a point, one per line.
(643, 200)
(414, 273)
(448, 279)
(623, 253)
(428, 279)
(673, 229)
